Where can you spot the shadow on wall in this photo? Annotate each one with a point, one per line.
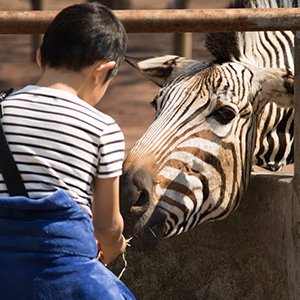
(247, 256)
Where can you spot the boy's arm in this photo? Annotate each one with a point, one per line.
(107, 219)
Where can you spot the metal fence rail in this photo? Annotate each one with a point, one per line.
(187, 20)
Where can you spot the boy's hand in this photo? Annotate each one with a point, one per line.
(100, 252)
(108, 254)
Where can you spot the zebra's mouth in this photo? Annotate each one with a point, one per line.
(146, 236)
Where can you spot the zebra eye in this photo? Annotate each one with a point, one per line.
(224, 114)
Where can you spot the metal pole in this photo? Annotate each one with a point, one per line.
(115, 4)
(36, 38)
(294, 268)
(188, 20)
(182, 41)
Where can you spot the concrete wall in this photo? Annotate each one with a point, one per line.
(250, 255)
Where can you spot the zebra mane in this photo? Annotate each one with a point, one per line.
(228, 46)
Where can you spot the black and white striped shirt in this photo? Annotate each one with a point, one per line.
(60, 142)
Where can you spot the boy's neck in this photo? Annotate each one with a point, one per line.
(68, 81)
(88, 84)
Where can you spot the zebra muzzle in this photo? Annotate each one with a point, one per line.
(135, 197)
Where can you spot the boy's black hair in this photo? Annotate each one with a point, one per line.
(82, 34)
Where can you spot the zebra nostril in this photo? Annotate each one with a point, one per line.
(135, 192)
(135, 198)
(143, 199)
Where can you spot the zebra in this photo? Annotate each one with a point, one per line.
(213, 121)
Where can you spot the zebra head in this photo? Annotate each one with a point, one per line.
(193, 163)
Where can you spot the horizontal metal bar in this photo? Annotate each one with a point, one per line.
(177, 20)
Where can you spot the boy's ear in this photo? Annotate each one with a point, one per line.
(38, 57)
(102, 67)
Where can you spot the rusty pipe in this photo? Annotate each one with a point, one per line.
(25, 22)
(177, 20)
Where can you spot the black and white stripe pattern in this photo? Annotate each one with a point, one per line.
(56, 143)
(189, 159)
(275, 139)
(212, 123)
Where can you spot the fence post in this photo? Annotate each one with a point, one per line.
(182, 41)
(294, 269)
(36, 38)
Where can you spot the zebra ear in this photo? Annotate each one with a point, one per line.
(277, 85)
(162, 69)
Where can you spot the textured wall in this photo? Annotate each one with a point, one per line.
(250, 255)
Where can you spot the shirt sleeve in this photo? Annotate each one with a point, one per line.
(112, 149)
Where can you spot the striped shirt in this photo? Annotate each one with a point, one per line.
(60, 142)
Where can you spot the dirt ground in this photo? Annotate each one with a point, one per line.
(129, 95)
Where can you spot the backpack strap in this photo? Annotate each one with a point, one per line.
(8, 166)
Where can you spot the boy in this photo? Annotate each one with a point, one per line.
(59, 141)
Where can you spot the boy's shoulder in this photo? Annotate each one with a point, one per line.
(61, 98)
